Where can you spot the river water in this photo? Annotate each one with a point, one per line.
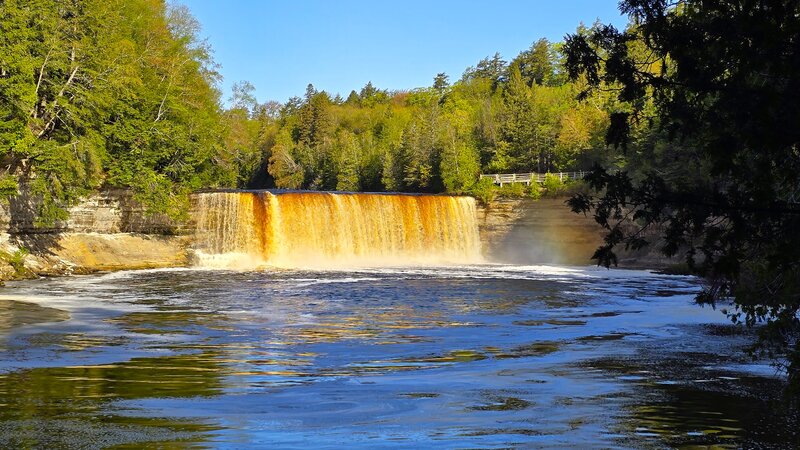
(481, 356)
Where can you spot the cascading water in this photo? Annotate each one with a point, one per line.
(315, 229)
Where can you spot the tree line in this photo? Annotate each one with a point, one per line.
(517, 116)
(97, 93)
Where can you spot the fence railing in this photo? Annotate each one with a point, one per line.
(528, 178)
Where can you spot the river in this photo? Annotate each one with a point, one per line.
(477, 356)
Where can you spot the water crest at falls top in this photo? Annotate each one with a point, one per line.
(317, 229)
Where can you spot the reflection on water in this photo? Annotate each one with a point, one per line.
(69, 406)
(480, 356)
(690, 404)
(15, 314)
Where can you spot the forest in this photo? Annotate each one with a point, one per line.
(117, 93)
(517, 116)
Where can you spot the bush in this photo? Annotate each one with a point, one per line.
(512, 190)
(484, 191)
(17, 260)
(553, 185)
(535, 191)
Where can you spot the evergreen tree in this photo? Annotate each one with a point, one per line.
(536, 65)
(717, 89)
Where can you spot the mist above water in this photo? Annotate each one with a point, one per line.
(546, 231)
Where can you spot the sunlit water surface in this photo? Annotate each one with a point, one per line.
(487, 356)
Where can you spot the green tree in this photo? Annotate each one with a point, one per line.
(726, 192)
(519, 123)
(536, 65)
(347, 161)
(459, 164)
(243, 97)
(440, 83)
(490, 68)
(287, 173)
(107, 92)
(419, 152)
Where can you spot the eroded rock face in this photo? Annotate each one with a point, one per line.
(106, 231)
(122, 251)
(496, 220)
(108, 211)
(545, 231)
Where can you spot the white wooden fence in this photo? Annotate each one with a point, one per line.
(528, 178)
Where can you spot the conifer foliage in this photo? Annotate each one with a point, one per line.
(709, 102)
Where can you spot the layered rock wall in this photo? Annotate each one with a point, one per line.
(106, 231)
(546, 231)
(109, 211)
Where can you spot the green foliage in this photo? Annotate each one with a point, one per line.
(107, 92)
(537, 65)
(534, 191)
(347, 152)
(17, 260)
(512, 190)
(287, 173)
(484, 191)
(721, 183)
(9, 187)
(499, 117)
(553, 185)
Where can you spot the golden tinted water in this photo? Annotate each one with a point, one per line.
(317, 229)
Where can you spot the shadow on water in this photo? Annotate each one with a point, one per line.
(681, 401)
(15, 314)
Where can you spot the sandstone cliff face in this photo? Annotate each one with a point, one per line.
(107, 231)
(110, 211)
(546, 231)
(496, 220)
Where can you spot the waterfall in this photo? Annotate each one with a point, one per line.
(320, 229)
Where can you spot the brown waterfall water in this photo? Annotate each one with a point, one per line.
(316, 229)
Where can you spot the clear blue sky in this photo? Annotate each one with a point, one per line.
(338, 45)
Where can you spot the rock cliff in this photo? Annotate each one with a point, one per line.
(107, 231)
(546, 231)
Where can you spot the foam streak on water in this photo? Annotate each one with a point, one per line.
(315, 229)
